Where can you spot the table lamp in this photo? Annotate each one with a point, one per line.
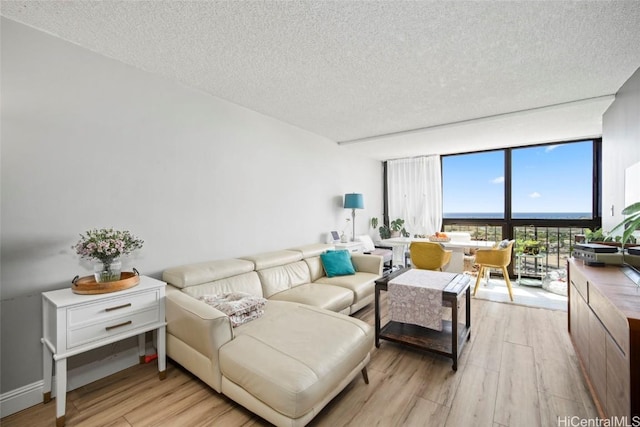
(353, 201)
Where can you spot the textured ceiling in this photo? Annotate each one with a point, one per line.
(350, 70)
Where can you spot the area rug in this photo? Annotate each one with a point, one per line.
(531, 296)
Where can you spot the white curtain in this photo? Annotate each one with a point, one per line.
(415, 193)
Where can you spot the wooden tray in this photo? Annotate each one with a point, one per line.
(88, 286)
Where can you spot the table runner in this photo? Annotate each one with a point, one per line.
(415, 297)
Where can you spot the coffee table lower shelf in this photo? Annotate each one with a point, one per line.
(449, 342)
(439, 342)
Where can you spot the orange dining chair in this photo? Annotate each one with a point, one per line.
(429, 255)
(496, 257)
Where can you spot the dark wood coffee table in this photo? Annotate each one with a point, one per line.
(448, 342)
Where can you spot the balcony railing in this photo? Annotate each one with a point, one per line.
(555, 244)
(478, 232)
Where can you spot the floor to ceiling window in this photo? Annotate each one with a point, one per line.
(543, 195)
(473, 185)
(553, 181)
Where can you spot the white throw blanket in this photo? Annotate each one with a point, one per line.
(240, 307)
(415, 297)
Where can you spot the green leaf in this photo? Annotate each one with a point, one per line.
(632, 226)
(633, 208)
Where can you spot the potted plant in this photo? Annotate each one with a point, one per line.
(601, 237)
(596, 235)
(397, 227)
(529, 247)
(630, 224)
(385, 232)
(374, 223)
(532, 247)
(375, 235)
(394, 229)
(105, 247)
(630, 242)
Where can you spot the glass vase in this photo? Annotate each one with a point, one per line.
(107, 270)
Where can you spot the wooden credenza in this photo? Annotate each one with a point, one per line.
(604, 324)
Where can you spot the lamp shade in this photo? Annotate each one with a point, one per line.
(353, 201)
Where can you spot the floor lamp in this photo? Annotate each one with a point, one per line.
(353, 201)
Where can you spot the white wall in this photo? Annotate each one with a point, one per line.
(90, 142)
(620, 148)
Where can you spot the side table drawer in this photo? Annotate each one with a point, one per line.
(111, 308)
(111, 327)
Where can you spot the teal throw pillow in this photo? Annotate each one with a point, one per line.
(337, 263)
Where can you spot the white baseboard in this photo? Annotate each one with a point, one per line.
(20, 398)
(90, 372)
(31, 394)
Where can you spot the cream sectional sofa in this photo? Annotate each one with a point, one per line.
(289, 363)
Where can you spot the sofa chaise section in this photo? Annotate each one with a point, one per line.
(289, 363)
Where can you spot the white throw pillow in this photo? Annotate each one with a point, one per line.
(367, 243)
(504, 243)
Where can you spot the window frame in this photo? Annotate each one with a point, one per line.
(508, 222)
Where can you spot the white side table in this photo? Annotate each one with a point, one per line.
(353, 247)
(73, 324)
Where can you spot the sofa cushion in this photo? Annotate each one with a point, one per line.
(273, 259)
(295, 355)
(313, 250)
(361, 284)
(204, 272)
(315, 267)
(334, 298)
(238, 306)
(247, 282)
(283, 277)
(337, 263)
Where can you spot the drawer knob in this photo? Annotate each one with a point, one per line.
(119, 325)
(118, 307)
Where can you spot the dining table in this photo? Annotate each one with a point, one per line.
(458, 249)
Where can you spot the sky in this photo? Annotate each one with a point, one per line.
(551, 178)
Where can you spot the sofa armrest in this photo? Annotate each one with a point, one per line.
(200, 326)
(368, 263)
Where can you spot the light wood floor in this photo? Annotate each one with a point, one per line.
(519, 369)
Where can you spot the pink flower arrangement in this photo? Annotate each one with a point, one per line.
(106, 244)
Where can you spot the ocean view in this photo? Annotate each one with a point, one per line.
(520, 215)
